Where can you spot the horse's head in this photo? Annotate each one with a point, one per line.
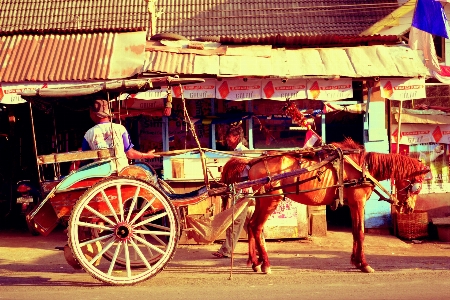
(409, 189)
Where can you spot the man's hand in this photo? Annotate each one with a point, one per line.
(134, 154)
(150, 154)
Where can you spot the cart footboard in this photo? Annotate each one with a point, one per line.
(42, 219)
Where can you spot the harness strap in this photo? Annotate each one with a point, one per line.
(265, 180)
(354, 165)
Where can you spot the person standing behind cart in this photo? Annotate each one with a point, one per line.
(106, 135)
(236, 141)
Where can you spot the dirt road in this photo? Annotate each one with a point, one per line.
(317, 268)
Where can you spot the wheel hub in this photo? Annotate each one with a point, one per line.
(123, 231)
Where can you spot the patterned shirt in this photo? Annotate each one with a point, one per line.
(101, 137)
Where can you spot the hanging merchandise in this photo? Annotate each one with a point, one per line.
(168, 103)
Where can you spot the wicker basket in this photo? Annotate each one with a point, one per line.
(412, 226)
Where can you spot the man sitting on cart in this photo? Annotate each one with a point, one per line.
(106, 134)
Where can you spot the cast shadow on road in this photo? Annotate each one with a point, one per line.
(310, 260)
(44, 281)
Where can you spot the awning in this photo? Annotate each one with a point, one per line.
(265, 61)
(71, 57)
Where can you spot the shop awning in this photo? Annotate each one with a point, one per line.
(354, 62)
(71, 57)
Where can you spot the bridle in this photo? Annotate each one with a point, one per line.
(414, 186)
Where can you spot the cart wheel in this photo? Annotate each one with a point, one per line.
(128, 221)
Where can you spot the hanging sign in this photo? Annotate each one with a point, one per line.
(134, 103)
(9, 92)
(411, 134)
(200, 90)
(276, 89)
(403, 88)
(329, 90)
(238, 89)
(149, 94)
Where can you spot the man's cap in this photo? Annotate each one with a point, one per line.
(101, 108)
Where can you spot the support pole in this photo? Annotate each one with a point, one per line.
(399, 126)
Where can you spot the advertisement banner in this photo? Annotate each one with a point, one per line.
(140, 104)
(403, 88)
(9, 91)
(276, 89)
(201, 90)
(330, 90)
(238, 89)
(412, 134)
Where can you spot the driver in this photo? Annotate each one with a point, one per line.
(106, 134)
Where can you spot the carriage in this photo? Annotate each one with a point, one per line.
(123, 227)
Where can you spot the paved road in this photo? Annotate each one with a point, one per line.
(317, 268)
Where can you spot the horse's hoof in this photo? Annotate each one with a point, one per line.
(367, 269)
(256, 268)
(266, 270)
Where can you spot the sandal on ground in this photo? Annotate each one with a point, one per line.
(219, 255)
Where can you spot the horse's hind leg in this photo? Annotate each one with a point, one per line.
(358, 258)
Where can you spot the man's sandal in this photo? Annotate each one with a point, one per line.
(219, 255)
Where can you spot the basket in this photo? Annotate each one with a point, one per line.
(412, 226)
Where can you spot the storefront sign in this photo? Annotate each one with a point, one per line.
(276, 89)
(329, 90)
(201, 90)
(411, 134)
(403, 89)
(134, 103)
(9, 92)
(238, 89)
(150, 94)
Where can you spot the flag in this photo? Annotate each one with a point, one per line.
(421, 40)
(311, 139)
(430, 17)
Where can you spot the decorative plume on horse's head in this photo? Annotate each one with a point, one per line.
(291, 110)
(303, 118)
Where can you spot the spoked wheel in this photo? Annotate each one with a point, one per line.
(130, 223)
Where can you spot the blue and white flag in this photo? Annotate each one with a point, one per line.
(430, 17)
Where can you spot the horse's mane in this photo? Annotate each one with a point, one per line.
(233, 169)
(349, 143)
(385, 166)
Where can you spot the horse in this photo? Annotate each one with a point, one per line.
(320, 186)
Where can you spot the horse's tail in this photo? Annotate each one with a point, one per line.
(233, 169)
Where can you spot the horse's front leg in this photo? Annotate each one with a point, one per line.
(358, 258)
(263, 209)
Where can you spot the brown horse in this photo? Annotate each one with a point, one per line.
(318, 187)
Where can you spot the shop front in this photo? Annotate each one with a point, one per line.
(336, 109)
(420, 128)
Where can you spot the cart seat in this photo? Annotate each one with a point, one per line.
(97, 169)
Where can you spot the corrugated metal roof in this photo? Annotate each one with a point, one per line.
(392, 19)
(363, 61)
(293, 21)
(56, 16)
(71, 57)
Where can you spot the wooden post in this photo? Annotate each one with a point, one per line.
(399, 126)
